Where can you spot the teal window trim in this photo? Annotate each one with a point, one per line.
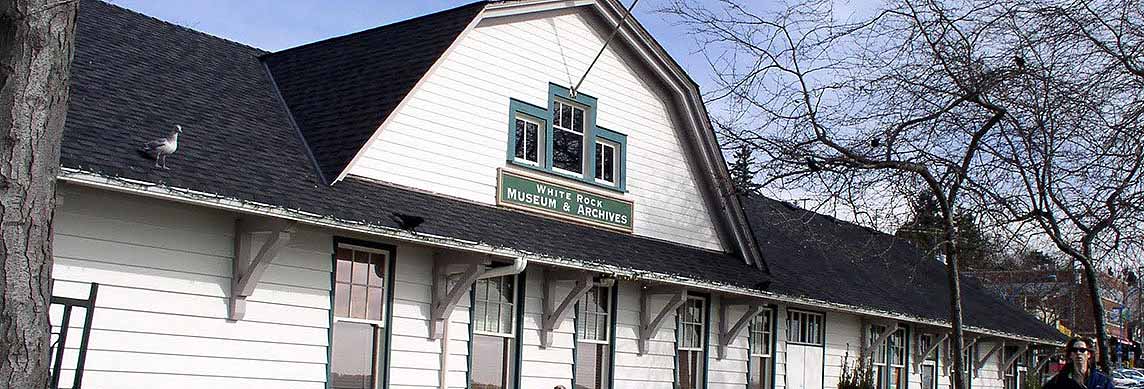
(592, 133)
(774, 312)
(540, 115)
(390, 283)
(707, 308)
(518, 342)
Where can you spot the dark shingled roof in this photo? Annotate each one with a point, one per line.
(135, 77)
(340, 90)
(823, 258)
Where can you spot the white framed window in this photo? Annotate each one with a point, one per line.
(929, 365)
(690, 343)
(529, 144)
(761, 338)
(568, 138)
(357, 355)
(593, 339)
(805, 328)
(607, 165)
(493, 306)
(494, 333)
(889, 359)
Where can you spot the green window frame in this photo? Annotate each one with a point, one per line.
(593, 138)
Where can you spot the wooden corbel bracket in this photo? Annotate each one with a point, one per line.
(728, 332)
(1008, 363)
(554, 313)
(248, 270)
(446, 295)
(921, 356)
(890, 327)
(979, 363)
(649, 325)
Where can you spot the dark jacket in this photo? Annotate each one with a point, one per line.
(1096, 380)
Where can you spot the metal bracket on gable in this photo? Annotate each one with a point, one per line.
(1008, 363)
(891, 327)
(978, 364)
(247, 270)
(921, 356)
(555, 314)
(447, 293)
(727, 335)
(648, 325)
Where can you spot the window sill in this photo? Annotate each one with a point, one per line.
(568, 175)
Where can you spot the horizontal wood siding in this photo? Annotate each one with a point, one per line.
(161, 313)
(654, 370)
(415, 360)
(451, 135)
(545, 367)
(843, 338)
(731, 371)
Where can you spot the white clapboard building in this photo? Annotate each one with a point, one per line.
(427, 205)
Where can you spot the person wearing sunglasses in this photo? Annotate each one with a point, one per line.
(1078, 372)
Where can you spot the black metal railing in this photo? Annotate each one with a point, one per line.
(61, 343)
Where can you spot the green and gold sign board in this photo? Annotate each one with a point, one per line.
(535, 195)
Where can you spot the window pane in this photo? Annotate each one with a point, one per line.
(928, 376)
(352, 360)
(376, 304)
(343, 272)
(341, 300)
(361, 269)
(531, 143)
(760, 373)
(357, 301)
(480, 321)
(377, 265)
(599, 161)
(521, 139)
(489, 370)
(568, 151)
(592, 363)
(609, 161)
(578, 120)
(566, 116)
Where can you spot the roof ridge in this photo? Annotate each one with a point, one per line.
(373, 29)
(179, 26)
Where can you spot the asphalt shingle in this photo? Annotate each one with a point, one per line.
(135, 77)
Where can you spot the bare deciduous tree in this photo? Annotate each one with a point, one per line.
(36, 42)
(895, 98)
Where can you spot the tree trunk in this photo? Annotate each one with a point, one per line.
(1097, 314)
(957, 340)
(36, 43)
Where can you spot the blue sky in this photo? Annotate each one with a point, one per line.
(279, 24)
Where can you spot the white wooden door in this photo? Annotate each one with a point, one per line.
(804, 366)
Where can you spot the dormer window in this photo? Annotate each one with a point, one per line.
(568, 138)
(563, 139)
(528, 140)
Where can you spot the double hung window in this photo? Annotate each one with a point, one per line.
(494, 340)
(691, 343)
(929, 365)
(889, 359)
(761, 340)
(357, 357)
(593, 339)
(529, 134)
(567, 137)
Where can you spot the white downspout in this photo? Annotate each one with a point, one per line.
(517, 267)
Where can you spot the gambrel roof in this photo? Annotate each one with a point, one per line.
(134, 77)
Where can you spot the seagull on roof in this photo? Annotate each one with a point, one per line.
(159, 149)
